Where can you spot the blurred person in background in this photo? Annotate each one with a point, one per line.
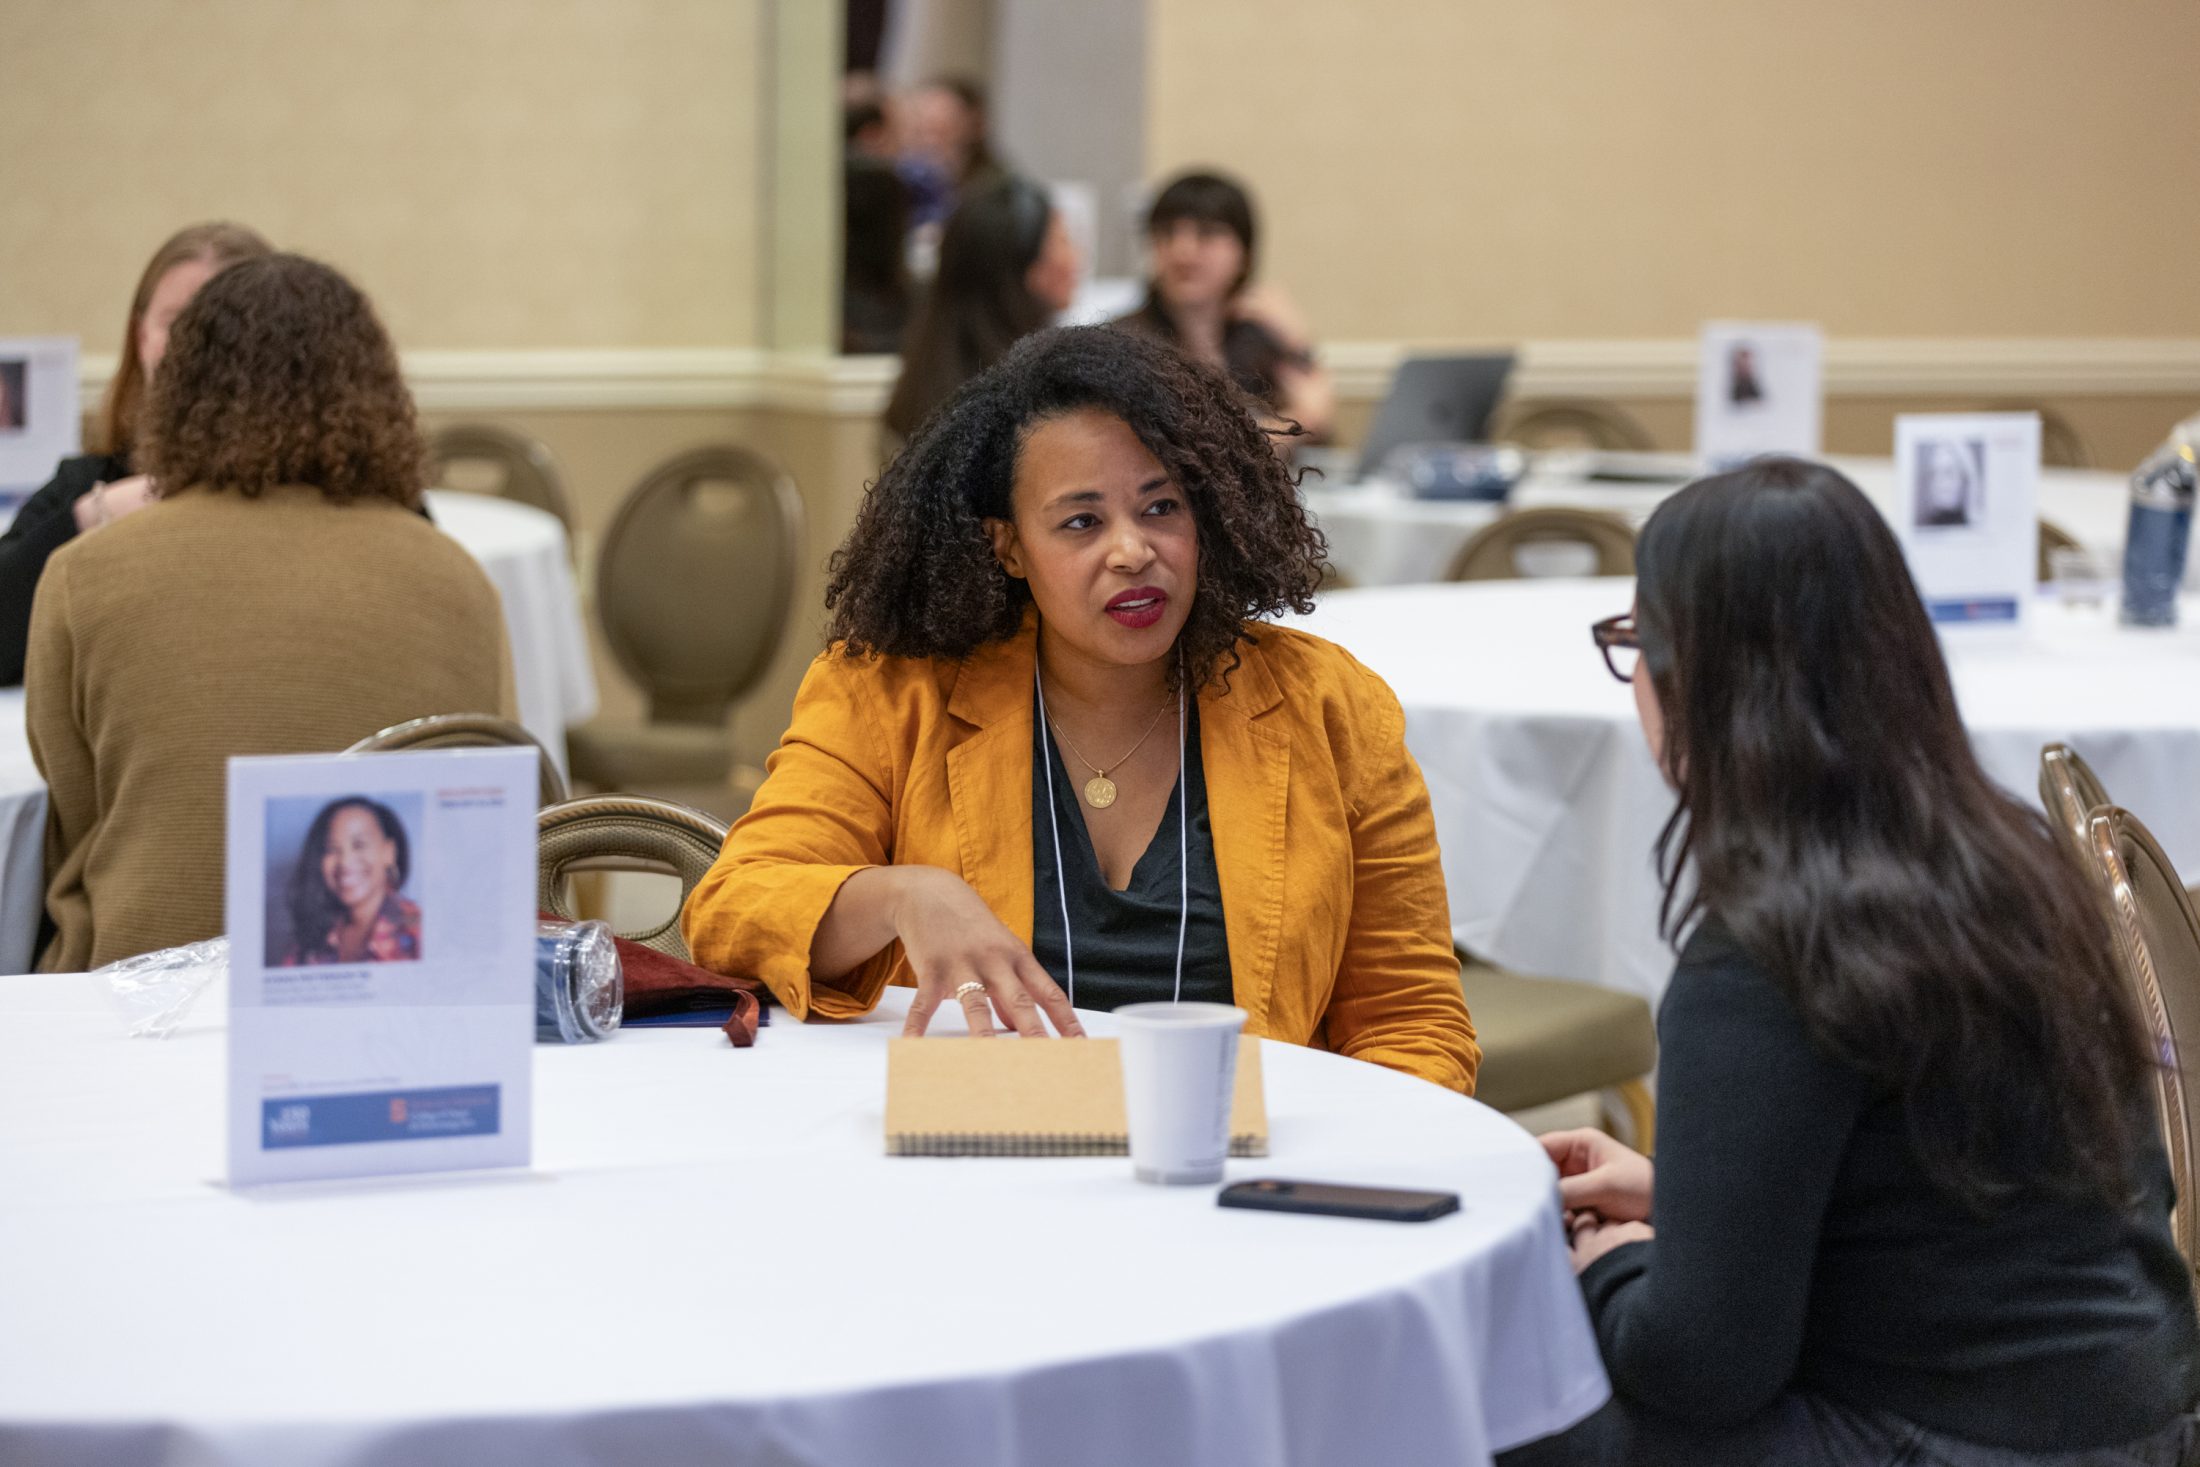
(1007, 268)
(280, 595)
(99, 488)
(1201, 297)
(946, 151)
(875, 289)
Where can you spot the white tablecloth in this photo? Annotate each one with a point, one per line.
(521, 549)
(22, 838)
(1379, 535)
(714, 1261)
(1547, 804)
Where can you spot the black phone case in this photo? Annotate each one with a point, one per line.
(1330, 1199)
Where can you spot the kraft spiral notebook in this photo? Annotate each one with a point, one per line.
(1019, 1097)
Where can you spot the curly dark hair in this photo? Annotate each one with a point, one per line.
(279, 373)
(917, 576)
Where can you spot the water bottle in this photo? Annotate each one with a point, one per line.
(2161, 527)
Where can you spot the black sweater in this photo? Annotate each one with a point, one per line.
(46, 522)
(1800, 1242)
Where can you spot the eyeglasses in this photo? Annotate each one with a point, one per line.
(1617, 640)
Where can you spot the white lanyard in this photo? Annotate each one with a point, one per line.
(1183, 841)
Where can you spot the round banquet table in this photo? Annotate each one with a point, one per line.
(22, 837)
(1380, 535)
(1547, 804)
(713, 1260)
(523, 552)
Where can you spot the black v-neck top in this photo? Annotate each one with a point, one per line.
(1124, 942)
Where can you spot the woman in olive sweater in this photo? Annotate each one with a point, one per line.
(281, 595)
(1909, 1203)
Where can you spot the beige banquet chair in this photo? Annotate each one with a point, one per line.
(2071, 791)
(516, 466)
(2053, 537)
(1494, 552)
(694, 584)
(1571, 423)
(466, 731)
(625, 833)
(1546, 1039)
(2157, 937)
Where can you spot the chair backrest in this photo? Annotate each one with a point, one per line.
(2053, 537)
(466, 731)
(626, 833)
(696, 578)
(2158, 948)
(518, 467)
(2071, 792)
(1573, 423)
(1493, 554)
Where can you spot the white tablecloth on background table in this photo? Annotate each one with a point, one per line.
(1379, 535)
(523, 552)
(1547, 804)
(714, 1261)
(22, 838)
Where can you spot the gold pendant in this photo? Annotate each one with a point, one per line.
(1099, 792)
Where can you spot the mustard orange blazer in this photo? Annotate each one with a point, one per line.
(1332, 895)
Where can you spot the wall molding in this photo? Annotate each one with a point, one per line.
(1855, 366)
(738, 378)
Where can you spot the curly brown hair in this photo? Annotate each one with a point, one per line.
(279, 373)
(917, 576)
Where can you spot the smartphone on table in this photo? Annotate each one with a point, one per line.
(1331, 1199)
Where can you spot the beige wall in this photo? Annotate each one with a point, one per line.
(1443, 170)
(496, 173)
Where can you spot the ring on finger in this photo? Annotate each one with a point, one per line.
(965, 990)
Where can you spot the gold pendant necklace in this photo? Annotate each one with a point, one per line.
(1100, 790)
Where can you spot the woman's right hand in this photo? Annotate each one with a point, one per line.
(1599, 1175)
(952, 938)
(106, 503)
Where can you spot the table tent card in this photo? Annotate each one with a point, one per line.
(381, 914)
(1758, 391)
(1966, 508)
(40, 421)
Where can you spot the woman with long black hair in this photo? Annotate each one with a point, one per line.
(1909, 1205)
(1007, 268)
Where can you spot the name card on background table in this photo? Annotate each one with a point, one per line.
(1966, 509)
(381, 913)
(1759, 389)
(39, 416)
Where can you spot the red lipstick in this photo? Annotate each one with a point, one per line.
(1139, 607)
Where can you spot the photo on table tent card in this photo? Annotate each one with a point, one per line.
(1950, 480)
(39, 418)
(382, 959)
(339, 880)
(1966, 509)
(1758, 391)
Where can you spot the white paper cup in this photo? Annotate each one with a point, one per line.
(1179, 1071)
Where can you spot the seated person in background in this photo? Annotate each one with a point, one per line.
(1054, 758)
(1200, 297)
(99, 488)
(1007, 267)
(281, 595)
(947, 154)
(1909, 1202)
(874, 275)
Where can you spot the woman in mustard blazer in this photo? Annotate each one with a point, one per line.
(1054, 761)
